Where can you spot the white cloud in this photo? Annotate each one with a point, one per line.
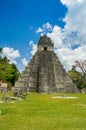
(56, 36)
(67, 56)
(11, 54)
(34, 47)
(31, 43)
(71, 2)
(75, 19)
(73, 35)
(24, 61)
(39, 30)
(45, 28)
(70, 41)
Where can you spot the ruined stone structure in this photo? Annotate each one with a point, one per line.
(3, 87)
(45, 73)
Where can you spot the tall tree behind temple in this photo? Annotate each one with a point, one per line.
(8, 72)
(79, 77)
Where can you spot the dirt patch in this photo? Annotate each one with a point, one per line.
(65, 97)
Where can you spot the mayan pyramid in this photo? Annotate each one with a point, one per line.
(45, 73)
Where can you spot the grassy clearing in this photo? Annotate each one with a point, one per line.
(42, 112)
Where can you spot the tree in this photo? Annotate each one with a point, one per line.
(8, 72)
(11, 74)
(79, 77)
(0, 52)
(76, 77)
(81, 65)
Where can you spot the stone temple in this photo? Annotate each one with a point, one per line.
(45, 73)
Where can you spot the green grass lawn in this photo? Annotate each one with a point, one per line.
(42, 112)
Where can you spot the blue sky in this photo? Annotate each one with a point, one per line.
(18, 16)
(23, 21)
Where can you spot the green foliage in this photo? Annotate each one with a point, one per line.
(0, 51)
(81, 64)
(78, 78)
(8, 72)
(42, 112)
(74, 75)
(11, 74)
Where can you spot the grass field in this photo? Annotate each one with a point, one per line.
(42, 112)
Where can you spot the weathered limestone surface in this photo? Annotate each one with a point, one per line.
(45, 73)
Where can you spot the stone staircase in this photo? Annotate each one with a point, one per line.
(45, 73)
